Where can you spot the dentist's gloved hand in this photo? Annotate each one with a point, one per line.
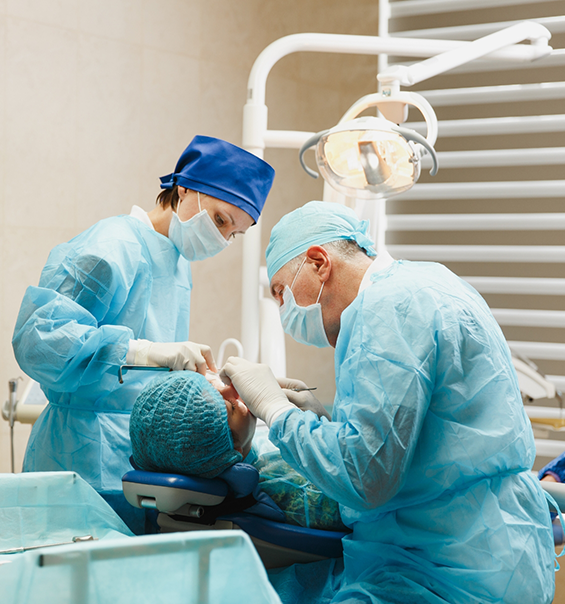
(304, 400)
(257, 387)
(175, 355)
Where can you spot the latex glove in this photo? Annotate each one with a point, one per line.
(176, 355)
(257, 387)
(303, 400)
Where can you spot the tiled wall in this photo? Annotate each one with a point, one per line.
(99, 97)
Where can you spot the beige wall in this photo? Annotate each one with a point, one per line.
(99, 97)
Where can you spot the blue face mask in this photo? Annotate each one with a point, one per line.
(197, 238)
(303, 323)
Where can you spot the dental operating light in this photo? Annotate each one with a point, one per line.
(374, 157)
(369, 157)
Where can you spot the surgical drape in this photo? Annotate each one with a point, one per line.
(117, 281)
(428, 453)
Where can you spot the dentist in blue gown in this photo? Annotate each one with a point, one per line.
(118, 294)
(428, 451)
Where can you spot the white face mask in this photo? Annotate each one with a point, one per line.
(303, 323)
(197, 238)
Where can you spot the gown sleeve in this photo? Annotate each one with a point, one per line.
(385, 358)
(70, 330)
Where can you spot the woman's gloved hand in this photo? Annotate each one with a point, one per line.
(304, 400)
(257, 387)
(176, 355)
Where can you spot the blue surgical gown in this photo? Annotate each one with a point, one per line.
(428, 454)
(117, 281)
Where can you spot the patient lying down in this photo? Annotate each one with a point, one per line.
(181, 423)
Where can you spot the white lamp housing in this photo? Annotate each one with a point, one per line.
(369, 157)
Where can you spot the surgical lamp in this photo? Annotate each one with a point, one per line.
(440, 56)
(369, 157)
(374, 157)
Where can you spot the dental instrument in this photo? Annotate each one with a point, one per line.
(125, 368)
(19, 550)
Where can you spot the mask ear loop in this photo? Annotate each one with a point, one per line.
(296, 276)
(320, 294)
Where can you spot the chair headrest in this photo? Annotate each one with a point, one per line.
(241, 478)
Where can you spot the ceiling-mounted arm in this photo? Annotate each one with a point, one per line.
(527, 30)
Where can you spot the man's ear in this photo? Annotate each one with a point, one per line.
(319, 256)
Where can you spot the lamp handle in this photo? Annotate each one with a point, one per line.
(411, 135)
(410, 98)
(311, 142)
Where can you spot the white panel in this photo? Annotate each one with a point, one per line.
(495, 125)
(479, 253)
(539, 350)
(495, 94)
(545, 412)
(558, 380)
(475, 222)
(534, 189)
(472, 32)
(549, 448)
(490, 158)
(426, 7)
(517, 285)
(529, 318)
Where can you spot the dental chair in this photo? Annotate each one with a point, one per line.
(231, 501)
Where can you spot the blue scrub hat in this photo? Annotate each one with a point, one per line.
(315, 223)
(219, 169)
(179, 424)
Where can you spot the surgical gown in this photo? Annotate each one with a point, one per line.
(428, 454)
(117, 281)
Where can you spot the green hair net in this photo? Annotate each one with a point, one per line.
(179, 424)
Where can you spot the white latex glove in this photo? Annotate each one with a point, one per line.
(176, 355)
(257, 387)
(304, 400)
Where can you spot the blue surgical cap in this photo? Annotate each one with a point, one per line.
(179, 424)
(219, 169)
(315, 223)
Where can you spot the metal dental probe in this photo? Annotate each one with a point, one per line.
(18, 550)
(125, 368)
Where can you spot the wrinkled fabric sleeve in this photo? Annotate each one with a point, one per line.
(384, 378)
(63, 337)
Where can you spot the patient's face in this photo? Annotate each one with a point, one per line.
(240, 420)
